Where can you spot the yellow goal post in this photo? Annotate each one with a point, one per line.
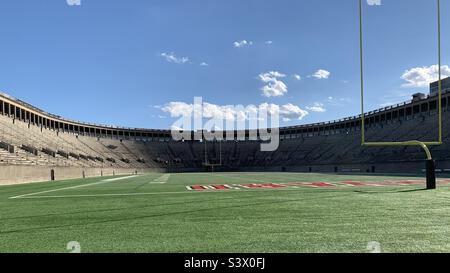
(431, 179)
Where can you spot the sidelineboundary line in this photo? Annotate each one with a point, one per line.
(74, 187)
(147, 193)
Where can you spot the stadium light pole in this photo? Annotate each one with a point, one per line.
(430, 163)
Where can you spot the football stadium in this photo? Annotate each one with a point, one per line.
(373, 179)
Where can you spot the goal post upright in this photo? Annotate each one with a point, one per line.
(439, 70)
(430, 164)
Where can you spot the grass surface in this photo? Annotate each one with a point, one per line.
(141, 214)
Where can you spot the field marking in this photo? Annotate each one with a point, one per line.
(74, 187)
(172, 193)
(146, 193)
(119, 178)
(161, 180)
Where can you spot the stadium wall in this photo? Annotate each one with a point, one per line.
(10, 175)
(416, 167)
(399, 167)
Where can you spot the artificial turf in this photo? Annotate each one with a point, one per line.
(144, 214)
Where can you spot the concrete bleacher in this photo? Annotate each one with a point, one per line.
(327, 151)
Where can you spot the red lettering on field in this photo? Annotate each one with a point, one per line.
(295, 184)
(354, 184)
(199, 188)
(320, 184)
(408, 182)
(220, 187)
(263, 186)
(317, 184)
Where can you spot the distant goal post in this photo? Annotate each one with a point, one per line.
(217, 162)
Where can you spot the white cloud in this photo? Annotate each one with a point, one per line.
(242, 43)
(423, 76)
(178, 109)
(290, 111)
(297, 77)
(268, 42)
(394, 97)
(274, 86)
(286, 112)
(374, 2)
(210, 111)
(321, 74)
(338, 101)
(213, 111)
(172, 58)
(317, 107)
(204, 64)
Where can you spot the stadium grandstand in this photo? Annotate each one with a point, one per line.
(38, 146)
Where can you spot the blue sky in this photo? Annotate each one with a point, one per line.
(132, 63)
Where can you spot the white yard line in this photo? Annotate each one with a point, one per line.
(146, 193)
(119, 178)
(74, 187)
(161, 180)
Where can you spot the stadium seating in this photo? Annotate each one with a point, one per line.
(336, 149)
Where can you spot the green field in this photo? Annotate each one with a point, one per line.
(157, 213)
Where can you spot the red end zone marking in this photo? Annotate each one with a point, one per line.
(312, 184)
(319, 185)
(408, 183)
(354, 184)
(263, 186)
(211, 187)
(309, 184)
(196, 188)
(220, 187)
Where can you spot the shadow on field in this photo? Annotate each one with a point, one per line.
(384, 192)
(119, 209)
(215, 208)
(409, 175)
